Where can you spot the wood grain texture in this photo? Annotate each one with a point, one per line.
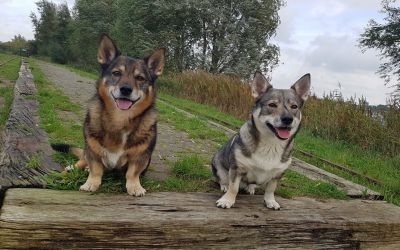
(48, 219)
(24, 140)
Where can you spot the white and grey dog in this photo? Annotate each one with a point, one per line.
(260, 153)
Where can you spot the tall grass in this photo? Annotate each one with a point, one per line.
(348, 121)
(353, 122)
(227, 93)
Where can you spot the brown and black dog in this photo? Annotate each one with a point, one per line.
(120, 128)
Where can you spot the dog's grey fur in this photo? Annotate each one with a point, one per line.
(260, 153)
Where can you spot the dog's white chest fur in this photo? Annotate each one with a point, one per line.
(111, 160)
(115, 159)
(264, 164)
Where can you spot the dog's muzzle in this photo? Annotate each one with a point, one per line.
(124, 101)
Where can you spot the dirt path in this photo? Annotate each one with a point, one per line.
(171, 144)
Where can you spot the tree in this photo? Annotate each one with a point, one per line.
(229, 36)
(17, 44)
(59, 49)
(236, 36)
(52, 30)
(91, 18)
(386, 38)
(45, 26)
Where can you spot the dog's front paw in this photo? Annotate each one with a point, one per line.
(272, 204)
(90, 186)
(251, 188)
(224, 188)
(135, 189)
(225, 203)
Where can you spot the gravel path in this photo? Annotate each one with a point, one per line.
(171, 144)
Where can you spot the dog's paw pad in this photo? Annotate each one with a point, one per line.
(224, 203)
(272, 204)
(136, 190)
(89, 187)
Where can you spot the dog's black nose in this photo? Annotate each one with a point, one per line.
(287, 120)
(125, 90)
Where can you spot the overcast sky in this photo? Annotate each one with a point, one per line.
(320, 37)
(315, 36)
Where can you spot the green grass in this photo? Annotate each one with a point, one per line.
(383, 168)
(201, 110)
(8, 72)
(189, 175)
(294, 184)
(7, 94)
(191, 167)
(196, 128)
(34, 162)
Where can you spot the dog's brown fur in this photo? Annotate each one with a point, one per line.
(115, 137)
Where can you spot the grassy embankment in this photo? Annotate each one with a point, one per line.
(189, 172)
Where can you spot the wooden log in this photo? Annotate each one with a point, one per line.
(48, 219)
(343, 168)
(353, 190)
(26, 153)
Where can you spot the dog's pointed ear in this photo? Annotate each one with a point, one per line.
(156, 61)
(107, 50)
(302, 86)
(260, 85)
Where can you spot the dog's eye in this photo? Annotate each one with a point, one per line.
(116, 73)
(294, 106)
(139, 78)
(272, 105)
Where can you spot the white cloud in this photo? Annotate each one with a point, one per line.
(14, 17)
(340, 54)
(320, 37)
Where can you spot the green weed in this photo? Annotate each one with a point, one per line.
(34, 162)
(191, 167)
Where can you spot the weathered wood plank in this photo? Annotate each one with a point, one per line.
(33, 218)
(353, 190)
(24, 141)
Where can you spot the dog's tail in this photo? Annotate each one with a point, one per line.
(68, 149)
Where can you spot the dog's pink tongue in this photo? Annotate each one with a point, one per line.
(124, 103)
(283, 133)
